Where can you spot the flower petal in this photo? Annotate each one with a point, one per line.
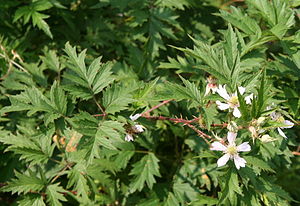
(223, 93)
(239, 161)
(217, 146)
(128, 137)
(288, 123)
(138, 128)
(214, 89)
(135, 117)
(222, 106)
(223, 160)
(249, 98)
(242, 90)
(244, 147)
(281, 133)
(231, 136)
(236, 112)
(207, 90)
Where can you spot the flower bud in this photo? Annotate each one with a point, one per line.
(261, 120)
(266, 138)
(232, 127)
(253, 131)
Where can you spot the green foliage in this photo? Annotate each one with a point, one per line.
(130, 113)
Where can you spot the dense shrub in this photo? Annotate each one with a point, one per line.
(149, 102)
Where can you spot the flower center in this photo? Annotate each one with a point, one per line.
(233, 102)
(280, 119)
(231, 150)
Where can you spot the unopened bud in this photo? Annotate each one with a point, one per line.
(253, 131)
(261, 120)
(266, 138)
(232, 127)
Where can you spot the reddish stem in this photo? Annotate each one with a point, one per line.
(145, 114)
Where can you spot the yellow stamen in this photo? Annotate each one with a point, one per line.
(231, 150)
(233, 101)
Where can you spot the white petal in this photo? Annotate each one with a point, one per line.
(236, 112)
(288, 123)
(249, 98)
(128, 137)
(222, 106)
(223, 93)
(242, 90)
(231, 136)
(244, 147)
(207, 90)
(239, 161)
(281, 133)
(138, 128)
(214, 90)
(134, 117)
(217, 146)
(274, 115)
(223, 160)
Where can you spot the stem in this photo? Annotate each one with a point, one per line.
(145, 114)
(200, 133)
(99, 106)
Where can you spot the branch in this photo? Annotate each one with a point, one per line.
(145, 114)
(200, 133)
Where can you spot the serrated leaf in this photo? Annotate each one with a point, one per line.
(86, 82)
(144, 172)
(258, 163)
(24, 184)
(32, 200)
(54, 194)
(171, 200)
(31, 150)
(52, 61)
(185, 193)
(116, 98)
(107, 135)
(78, 181)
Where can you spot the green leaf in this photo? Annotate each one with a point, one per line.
(32, 200)
(185, 193)
(108, 136)
(24, 184)
(78, 181)
(116, 98)
(82, 81)
(52, 61)
(31, 11)
(54, 194)
(36, 149)
(205, 200)
(230, 186)
(258, 163)
(240, 20)
(144, 172)
(171, 200)
(276, 13)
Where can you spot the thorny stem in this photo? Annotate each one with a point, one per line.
(145, 114)
(200, 133)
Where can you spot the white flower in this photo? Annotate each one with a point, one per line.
(135, 117)
(279, 118)
(138, 128)
(231, 151)
(128, 137)
(232, 101)
(211, 85)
